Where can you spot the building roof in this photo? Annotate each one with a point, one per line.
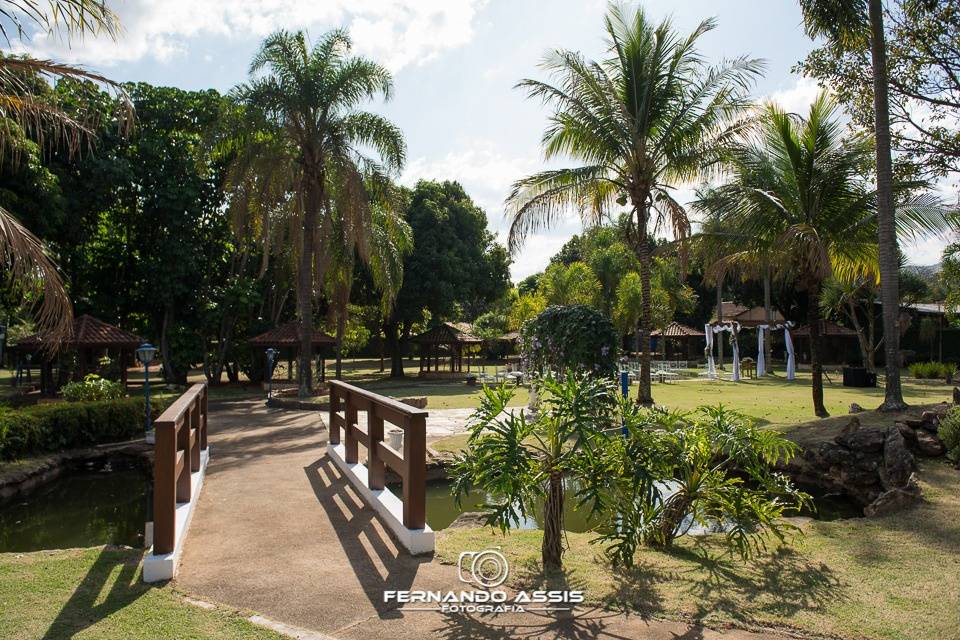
(449, 333)
(510, 336)
(932, 308)
(288, 335)
(830, 329)
(677, 330)
(748, 317)
(87, 331)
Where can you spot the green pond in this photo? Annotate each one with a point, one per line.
(106, 504)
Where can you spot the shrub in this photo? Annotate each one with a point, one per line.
(93, 387)
(933, 370)
(573, 337)
(66, 425)
(949, 432)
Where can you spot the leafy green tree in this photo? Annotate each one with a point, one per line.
(456, 265)
(571, 284)
(572, 337)
(648, 116)
(526, 306)
(522, 463)
(850, 24)
(312, 95)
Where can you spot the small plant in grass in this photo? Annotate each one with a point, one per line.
(949, 432)
(520, 463)
(671, 471)
(933, 370)
(93, 387)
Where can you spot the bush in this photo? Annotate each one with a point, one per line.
(573, 337)
(933, 370)
(93, 387)
(66, 425)
(949, 432)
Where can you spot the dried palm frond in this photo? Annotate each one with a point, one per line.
(72, 17)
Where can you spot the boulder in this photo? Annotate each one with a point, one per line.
(419, 402)
(895, 500)
(855, 408)
(898, 462)
(469, 520)
(930, 421)
(869, 440)
(914, 423)
(909, 435)
(930, 445)
(833, 454)
(850, 427)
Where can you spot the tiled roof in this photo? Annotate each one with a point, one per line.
(829, 329)
(677, 330)
(449, 333)
(288, 335)
(88, 332)
(749, 317)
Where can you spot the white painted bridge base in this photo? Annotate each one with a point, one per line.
(385, 503)
(164, 567)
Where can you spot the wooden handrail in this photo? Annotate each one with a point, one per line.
(181, 434)
(410, 464)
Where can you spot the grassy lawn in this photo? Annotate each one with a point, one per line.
(97, 593)
(896, 577)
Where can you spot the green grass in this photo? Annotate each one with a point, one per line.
(890, 578)
(98, 593)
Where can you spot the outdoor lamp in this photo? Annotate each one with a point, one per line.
(271, 358)
(145, 354)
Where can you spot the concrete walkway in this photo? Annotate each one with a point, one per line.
(278, 531)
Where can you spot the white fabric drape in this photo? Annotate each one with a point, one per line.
(735, 341)
(711, 364)
(761, 361)
(791, 358)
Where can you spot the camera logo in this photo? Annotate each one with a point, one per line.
(487, 568)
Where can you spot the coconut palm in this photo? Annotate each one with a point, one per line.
(649, 116)
(311, 96)
(26, 111)
(798, 192)
(847, 22)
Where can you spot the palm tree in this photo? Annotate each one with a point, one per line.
(798, 192)
(847, 22)
(25, 112)
(649, 116)
(311, 96)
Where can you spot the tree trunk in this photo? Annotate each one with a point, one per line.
(871, 337)
(314, 185)
(816, 337)
(391, 334)
(552, 549)
(341, 330)
(865, 346)
(889, 263)
(644, 392)
(768, 319)
(719, 336)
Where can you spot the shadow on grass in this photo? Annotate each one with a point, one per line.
(90, 603)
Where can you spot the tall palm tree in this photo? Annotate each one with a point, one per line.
(311, 95)
(25, 112)
(797, 191)
(847, 22)
(650, 115)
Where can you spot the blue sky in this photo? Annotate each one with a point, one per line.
(455, 63)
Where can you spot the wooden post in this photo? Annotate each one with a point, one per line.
(183, 445)
(350, 443)
(376, 469)
(203, 419)
(334, 408)
(415, 484)
(164, 488)
(195, 438)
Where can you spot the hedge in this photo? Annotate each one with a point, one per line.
(67, 425)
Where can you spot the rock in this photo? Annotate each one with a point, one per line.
(909, 435)
(862, 439)
(850, 427)
(855, 408)
(914, 423)
(956, 395)
(898, 462)
(833, 454)
(418, 402)
(469, 520)
(931, 421)
(930, 445)
(890, 502)
(851, 476)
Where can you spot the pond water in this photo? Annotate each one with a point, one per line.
(82, 508)
(442, 510)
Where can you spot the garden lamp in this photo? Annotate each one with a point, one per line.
(271, 358)
(145, 354)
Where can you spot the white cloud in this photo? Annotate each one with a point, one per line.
(396, 32)
(798, 98)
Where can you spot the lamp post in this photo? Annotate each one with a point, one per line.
(145, 354)
(271, 358)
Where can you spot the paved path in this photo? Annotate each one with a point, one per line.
(278, 531)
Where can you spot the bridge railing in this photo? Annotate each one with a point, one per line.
(409, 464)
(181, 436)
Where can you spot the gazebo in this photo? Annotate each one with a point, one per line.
(286, 339)
(91, 338)
(839, 343)
(446, 340)
(679, 338)
(748, 317)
